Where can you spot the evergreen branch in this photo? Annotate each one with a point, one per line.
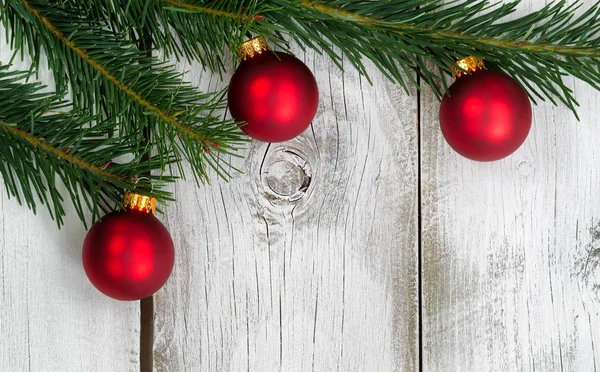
(375, 23)
(40, 143)
(114, 80)
(539, 49)
(217, 27)
(426, 37)
(172, 31)
(49, 150)
(115, 77)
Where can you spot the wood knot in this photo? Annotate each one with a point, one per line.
(286, 175)
(524, 168)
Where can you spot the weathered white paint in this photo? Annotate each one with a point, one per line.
(308, 260)
(276, 273)
(51, 317)
(510, 248)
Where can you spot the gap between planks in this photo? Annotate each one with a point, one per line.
(147, 325)
(419, 229)
(147, 304)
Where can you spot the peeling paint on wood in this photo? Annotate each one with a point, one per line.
(308, 260)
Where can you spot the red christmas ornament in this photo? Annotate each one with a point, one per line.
(273, 92)
(487, 115)
(128, 255)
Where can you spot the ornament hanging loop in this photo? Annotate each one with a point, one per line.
(147, 179)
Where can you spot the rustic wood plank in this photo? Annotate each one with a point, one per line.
(51, 317)
(510, 248)
(308, 260)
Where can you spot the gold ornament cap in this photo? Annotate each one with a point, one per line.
(470, 64)
(139, 202)
(252, 47)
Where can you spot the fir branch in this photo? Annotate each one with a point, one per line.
(40, 143)
(63, 155)
(426, 37)
(223, 25)
(508, 37)
(103, 70)
(136, 90)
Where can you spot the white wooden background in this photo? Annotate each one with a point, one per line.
(366, 244)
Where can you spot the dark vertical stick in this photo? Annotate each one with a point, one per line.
(146, 304)
(147, 334)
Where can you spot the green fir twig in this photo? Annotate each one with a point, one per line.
(41, 143)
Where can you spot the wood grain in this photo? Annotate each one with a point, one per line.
(510, 248)
(51, 317)
(308, 260)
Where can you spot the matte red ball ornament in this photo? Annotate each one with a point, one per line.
(273, 92)
(487, 115)
(129, 255)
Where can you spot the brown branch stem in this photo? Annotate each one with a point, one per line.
(210, 11)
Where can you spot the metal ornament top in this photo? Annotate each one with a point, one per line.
(139, 202)
(469, 64)
(252, 47)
